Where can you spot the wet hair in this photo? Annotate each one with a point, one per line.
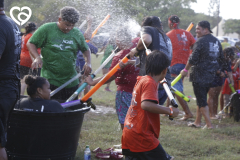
(228, 52)
(156, 62)
(1, 3)
(33, 83)
(30, 27)
(155, 22)
(69, 14)
(234, 49)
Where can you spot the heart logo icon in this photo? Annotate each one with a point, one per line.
(22, 22)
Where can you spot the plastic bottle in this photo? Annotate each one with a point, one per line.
(87, 153)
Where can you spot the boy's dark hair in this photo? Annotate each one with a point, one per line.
(156, 62)
(33, 83)
(69, 14)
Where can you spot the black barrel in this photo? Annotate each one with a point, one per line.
(44, 136)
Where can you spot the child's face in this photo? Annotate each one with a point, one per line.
(163, 74)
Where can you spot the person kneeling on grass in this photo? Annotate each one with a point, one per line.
(142, 123)
(38, 89)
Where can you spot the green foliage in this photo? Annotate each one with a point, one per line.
(121, 10)
(231, 26)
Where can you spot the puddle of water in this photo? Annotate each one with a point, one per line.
(103, 110)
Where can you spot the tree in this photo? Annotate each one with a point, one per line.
(214, 11)
(232, 26)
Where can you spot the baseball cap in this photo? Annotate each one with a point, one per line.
(205, 24)
(174, 19)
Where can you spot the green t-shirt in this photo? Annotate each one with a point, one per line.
(59, 52)
(225, 45)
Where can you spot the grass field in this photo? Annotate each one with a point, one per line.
(182, 142)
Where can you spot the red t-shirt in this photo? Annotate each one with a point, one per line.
(126, 77)
(142, 128)
(25, 59)
(226, 88)
(181, 43)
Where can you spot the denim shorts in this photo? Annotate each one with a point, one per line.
(176, 69)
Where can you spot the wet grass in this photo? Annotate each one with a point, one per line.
(180, 141)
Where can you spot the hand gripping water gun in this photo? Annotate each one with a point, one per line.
(87, 98)
(84, 85)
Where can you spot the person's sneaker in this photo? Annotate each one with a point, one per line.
(107, 89)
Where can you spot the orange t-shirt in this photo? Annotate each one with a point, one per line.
(142, 128)
(226, 88)
(25, 59)
(181, 43)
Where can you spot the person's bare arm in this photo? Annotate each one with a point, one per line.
(237, 64)
(230, 75)
(34, 53)
(88, 32)
(156, 108)
(187, 67)
(147, 38)
(87, 67)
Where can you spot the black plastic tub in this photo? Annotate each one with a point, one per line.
(44, 136)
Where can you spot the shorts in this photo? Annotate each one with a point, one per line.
(123, 102)
(179, 85)
(80, 62)
(176, 69)
(162, 96)
(28, 71)
(155, 154)
(218, 81)
(63, 94)
(9, 94)
(201, 91)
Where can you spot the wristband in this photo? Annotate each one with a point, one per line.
(171, 112)
(185, 70)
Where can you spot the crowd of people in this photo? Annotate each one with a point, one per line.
(59, 51)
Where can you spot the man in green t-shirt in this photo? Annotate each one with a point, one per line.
(59, 43)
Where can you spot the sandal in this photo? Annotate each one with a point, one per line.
(193, 125)
(206, 127)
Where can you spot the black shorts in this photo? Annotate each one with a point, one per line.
(63, 94)
(28, 71)
(9, 94)
(155, 154)
(218, 81)
(200, 91)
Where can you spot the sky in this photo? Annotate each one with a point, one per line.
(229, 9)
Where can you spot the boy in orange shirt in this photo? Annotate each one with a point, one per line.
(142, 122)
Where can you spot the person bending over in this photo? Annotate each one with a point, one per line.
(142, 123)
(38, 89)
